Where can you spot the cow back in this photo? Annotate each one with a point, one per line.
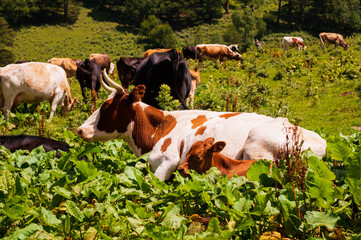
(164, 68)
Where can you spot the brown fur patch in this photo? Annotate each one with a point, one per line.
(166, 144)
(228, 115)
(33, 76)
(198, 121)
(200, 130)
(150, 124)
(181, 148)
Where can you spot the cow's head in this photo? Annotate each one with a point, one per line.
(68, 105)
(346, 46)
(199, 156)
(115, 116)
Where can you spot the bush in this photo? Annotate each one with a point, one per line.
(158, 35)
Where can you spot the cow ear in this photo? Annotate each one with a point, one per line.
(209, 140)
(218, 146)
(138, 93)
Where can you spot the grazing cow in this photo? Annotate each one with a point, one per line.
(293, 42)
(103, 60)
(149, 52)
(196, 79)
(127, 66)
(216, 51)
(234, 48)
(205, 154)
(258, 43)
(164, 68)
(35, 82)
(67, 64)
(189, 52)
(27, 142)
(88, 74)
(170, 134)
(332, 38)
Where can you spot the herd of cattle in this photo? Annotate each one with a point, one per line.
(180, 140)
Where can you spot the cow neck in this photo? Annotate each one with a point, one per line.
(150, 125)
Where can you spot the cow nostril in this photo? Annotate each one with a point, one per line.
(181, 170)
(80, 132)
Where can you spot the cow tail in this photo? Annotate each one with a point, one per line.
(175, 63)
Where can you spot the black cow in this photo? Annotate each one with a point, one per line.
(189, 52)
(27, 142)
(127, 66)
(88, 74)
(21, 61)
(164, 68)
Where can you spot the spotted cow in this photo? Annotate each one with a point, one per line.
(293, 42)
(170, 134)
(34, 82)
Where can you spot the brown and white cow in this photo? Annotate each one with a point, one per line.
(170, 134)
(67, 64)
(332, 38)
(196, 79)
(216, 51)
(205, 154)
(159, 50)
(34, 82)
(103, 60)
(293, 42)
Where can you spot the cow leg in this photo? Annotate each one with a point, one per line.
(16, 102)
(9, 99)
(83, 92)
(163, 165)
(58, 98)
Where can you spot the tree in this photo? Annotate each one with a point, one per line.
(6, 40)
(249, 25)
(156, 34)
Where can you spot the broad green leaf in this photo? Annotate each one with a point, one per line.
(319, 167)
(337, 148)
(49, 218)
(289, 213)
(6, 181)
(259, 171)
(73, 210)
(87, 170)
(102, 234)
(260, 203)
(243, 205)
(213, 226)
(173, 218)
(26, 232)
(135, 174)
(316, 219)
(89, 148)
(355, 189)
(320, 189)
(63, 192)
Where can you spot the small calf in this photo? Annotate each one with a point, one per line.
(206, 154)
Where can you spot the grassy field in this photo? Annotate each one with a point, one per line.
(316, 88)
(114, 195)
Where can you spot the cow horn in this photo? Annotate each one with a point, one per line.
(106, 87)
(113, 84)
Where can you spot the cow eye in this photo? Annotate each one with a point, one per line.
(197, 157)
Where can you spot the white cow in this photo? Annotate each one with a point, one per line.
(170, 134)
(293, 42)
(34, 82)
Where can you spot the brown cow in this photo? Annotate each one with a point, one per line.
(203, 155)
(332, 38)
(160, 50)
(196, 79)
(103, 60)
(216, 51)
(67, 64)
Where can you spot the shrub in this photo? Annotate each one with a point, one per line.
(166, 101)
